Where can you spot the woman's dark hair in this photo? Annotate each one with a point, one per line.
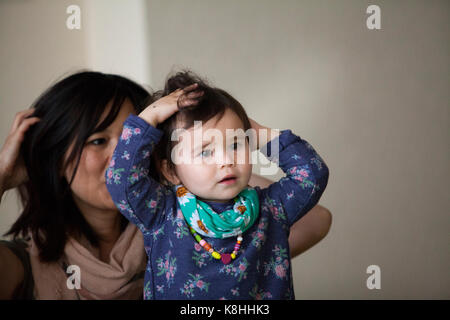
(70, 112)
(214, 102)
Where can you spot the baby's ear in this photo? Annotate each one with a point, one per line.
(168, 174)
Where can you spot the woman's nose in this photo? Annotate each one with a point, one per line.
(110, 150)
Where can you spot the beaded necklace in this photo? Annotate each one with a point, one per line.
(225, 257)
(201, 219)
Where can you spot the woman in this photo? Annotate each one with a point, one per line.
(57, 153)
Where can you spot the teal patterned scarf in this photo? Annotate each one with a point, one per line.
(200, 216)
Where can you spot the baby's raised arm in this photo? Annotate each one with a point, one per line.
(306, 174)
(137, 196)
(161, 110)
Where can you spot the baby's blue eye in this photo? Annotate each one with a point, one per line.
(206, 153)
(236, 145)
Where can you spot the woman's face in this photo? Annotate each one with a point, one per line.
(88, 186)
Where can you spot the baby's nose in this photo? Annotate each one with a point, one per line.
(226, 158)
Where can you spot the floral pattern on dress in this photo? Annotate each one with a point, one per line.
(235, 292)
(180, 228)
(200, 256)
(301, 174)
(278, 266)
(318, 161)
(125, 155)
(276, 209)
(148, 291)
(167, 266)
(236, 269)
(156, 233)
(259, 236)
(124, 207)
(259, 294)
(113, 174)
(137, 173)
(195, 282)
(128, 132)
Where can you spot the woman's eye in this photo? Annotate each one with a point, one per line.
(97, 141)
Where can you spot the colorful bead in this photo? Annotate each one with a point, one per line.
(226, 258)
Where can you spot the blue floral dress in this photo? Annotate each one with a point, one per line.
(178, 267)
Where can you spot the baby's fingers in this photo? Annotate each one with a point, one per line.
(189, 99)
(183, 103)
(190, 88)
(180, 92)
(194, 94)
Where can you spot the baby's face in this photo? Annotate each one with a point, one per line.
(201, 167)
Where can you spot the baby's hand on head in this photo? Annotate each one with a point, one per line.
(262, 138)
(162, 109)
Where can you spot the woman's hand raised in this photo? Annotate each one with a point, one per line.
(162, 109)
(12, 169)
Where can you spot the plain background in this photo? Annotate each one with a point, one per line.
(373, 103)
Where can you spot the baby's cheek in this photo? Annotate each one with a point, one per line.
(198, 177)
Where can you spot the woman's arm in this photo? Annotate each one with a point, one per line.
(309, 230)
(11, 269)
(12, 174)
(11, 273)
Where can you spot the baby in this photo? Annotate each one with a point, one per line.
(207, 234)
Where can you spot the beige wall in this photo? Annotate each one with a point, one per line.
(374, 104)
(36, 50)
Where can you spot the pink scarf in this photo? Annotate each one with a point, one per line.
(120, 278)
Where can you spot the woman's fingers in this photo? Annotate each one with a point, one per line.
(20, 116)
(11, 147)
(26, 124)
(12, 170)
